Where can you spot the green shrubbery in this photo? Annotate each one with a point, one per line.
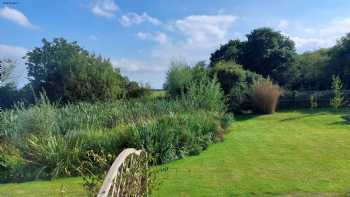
(236, 83)
(49, 140)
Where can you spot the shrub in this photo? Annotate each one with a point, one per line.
(135, 90)
(178, 78)
(11, 163)
(53, 140)
(265, 96)
(206, 94)
(69, 73)
(338, 99)
(236, 84)
(176, 135)
(53, 155)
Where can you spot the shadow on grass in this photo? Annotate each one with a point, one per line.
(343, 112)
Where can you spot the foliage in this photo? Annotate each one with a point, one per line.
(178, 79)
(229, 52)
(340, 61)
(6, 72)
(313, 101)
(338, 99)
(10, 162)
(93, 170)
(261, 149)
(236, 84)
(135, 90)
(311, 71)
(266, 52)
(53, 140)
(205, 94)
(177, 135)
(69, 73)
(265, 96)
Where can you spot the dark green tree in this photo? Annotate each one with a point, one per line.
(69, 73)
(236, 84)
(340, 60)
(231, 51)
(268, 53)
(311, 68)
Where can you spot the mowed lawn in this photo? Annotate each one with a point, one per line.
(300, 153)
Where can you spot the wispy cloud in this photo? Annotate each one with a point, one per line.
(104, 8)
(321, 37)
(204, 29)
(282, 24)
(158, 37)
(15, 16)
(130, 19)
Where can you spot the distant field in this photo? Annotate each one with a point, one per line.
(158, 93)
(294, 153)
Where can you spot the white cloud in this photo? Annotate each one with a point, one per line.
(135, 19)
(321, 37)
(93, 37)
(16, 53)
(104, 8)
(283, 24)
(204, 29)
(200, 35)
(142, 35)
(136, 66)
(16, 17)
(158, 37)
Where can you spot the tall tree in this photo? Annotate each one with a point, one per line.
(69, 73)
(340, 60)
(6, 71)
(229, 52)
(268, 53)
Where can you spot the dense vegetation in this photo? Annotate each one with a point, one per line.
(291, 153)
(77, 105)
(49, 141)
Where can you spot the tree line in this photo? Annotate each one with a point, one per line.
(66, 73)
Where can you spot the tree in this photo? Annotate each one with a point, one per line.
(268, 53)
(6, 71)
(69, 73)
(340, 60)
(236, 84)
(337, 100)
(231, 51)
(311, 71)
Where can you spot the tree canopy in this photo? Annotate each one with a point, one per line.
(265, 52)
(69, 73)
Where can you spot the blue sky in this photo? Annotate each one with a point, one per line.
(142, 37)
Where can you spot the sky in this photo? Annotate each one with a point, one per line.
(143, 37)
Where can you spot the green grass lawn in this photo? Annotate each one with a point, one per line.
(301, 153)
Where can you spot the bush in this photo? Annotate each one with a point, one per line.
(236, 84)
(135, 90)
(206, 94)
(11, 163)
(69, 73)
(265, 96)
(53, 155)
(178, 78)
(338, 99)
(177, 135)
(53, 140)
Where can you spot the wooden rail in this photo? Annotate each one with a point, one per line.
(127, 175)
